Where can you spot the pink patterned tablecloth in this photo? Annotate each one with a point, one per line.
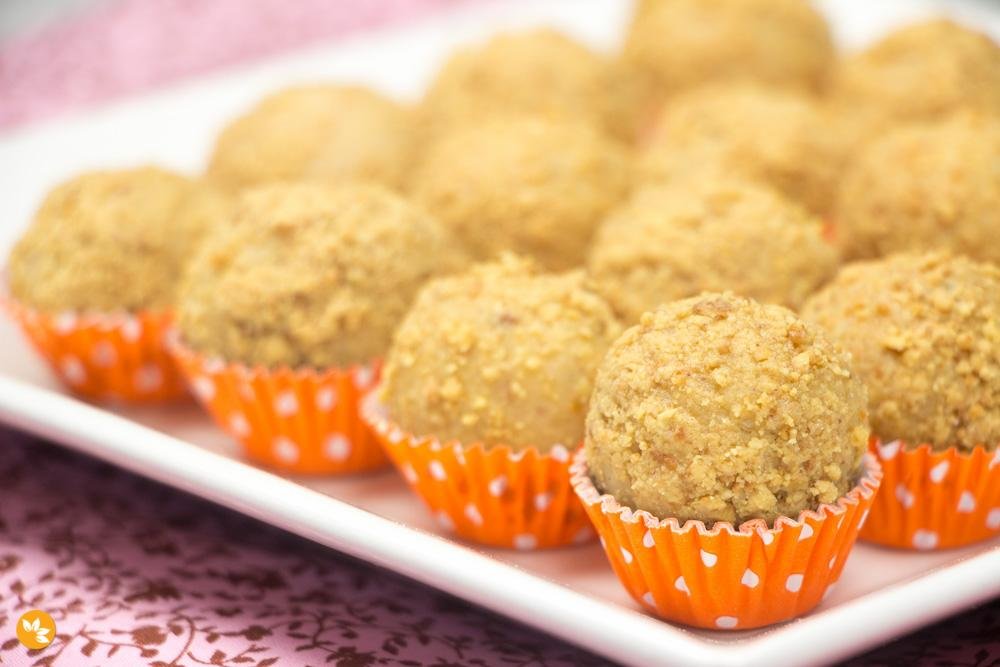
(135, 573)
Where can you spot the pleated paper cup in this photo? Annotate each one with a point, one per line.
(935, 500)
(118, 357)
(728, 578)
(299, 421)
(489, 495)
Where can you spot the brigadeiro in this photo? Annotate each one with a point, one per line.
(674, 241)
(924, 332)
(523, 184)
(488, 379)
(923, 187)
(286, 313)
(725, 451)
(94, 278)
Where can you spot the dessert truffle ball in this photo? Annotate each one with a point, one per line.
(311, 276)
(676, 241)
(683, 43)
(326, 132)
(777, 137)
(924, 333)
(717, 408)
(924, 187)
(920, 72)
(523, 184)
(539, 72)
(113, 241)
(499, 355)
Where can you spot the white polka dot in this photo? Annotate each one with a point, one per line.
(750, 578)
(794, 583)
(682, 585)
(337, 447)
(806, 532)
(861, 521)
(72, 370)
(726, 622)
(648, 541)
(559, 453)
(396, 436)
(904, 496)
(766, 535)
(473, 515)
(445, 521)
(497, 486)
(542, 501)
(213, 366)
(363, 376)
(239, 425)
(409, 474)
(285, 450)
(104, 354)
(459, 453)
(966, 503)
(148, 378)
(647, 598)
(626, 555)
(525, 542)
(65, 323)
(437, 470)
(709, 559)
(585, 534)
(131, 329)
(939, 471)
(996, 459)
(326, 398)
(833, 561)
(889, 450)
(286, 404)
(203, 388)
(993, 519)
(925, 539)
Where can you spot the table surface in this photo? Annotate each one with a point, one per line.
(134, 572)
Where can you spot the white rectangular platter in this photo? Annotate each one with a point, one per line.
(570, 593)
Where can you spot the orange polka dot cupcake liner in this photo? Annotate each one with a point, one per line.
(728, 578)
(105, 357)
(296, 421)
(494, 496)
(935, 500)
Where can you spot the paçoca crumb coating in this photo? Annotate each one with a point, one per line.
(311, 276)
(327, 132)
(919, 72)
(540, 72)
(675, 241)
(718, 408)
(117, 240)
(924, 331)
(777, 137)
(923, 187)
(680, 44)
(523, 184)
(501, 354)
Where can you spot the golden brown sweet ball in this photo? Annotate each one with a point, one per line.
(541, 72)
(113, 241)
(327, 132)
(525, 184)
(679, 44)
(501, 354)
(920, 72)
(778, 137)
(924, 187)
(676, 241)
(924, 333)
(312, 276)
(718, 408)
